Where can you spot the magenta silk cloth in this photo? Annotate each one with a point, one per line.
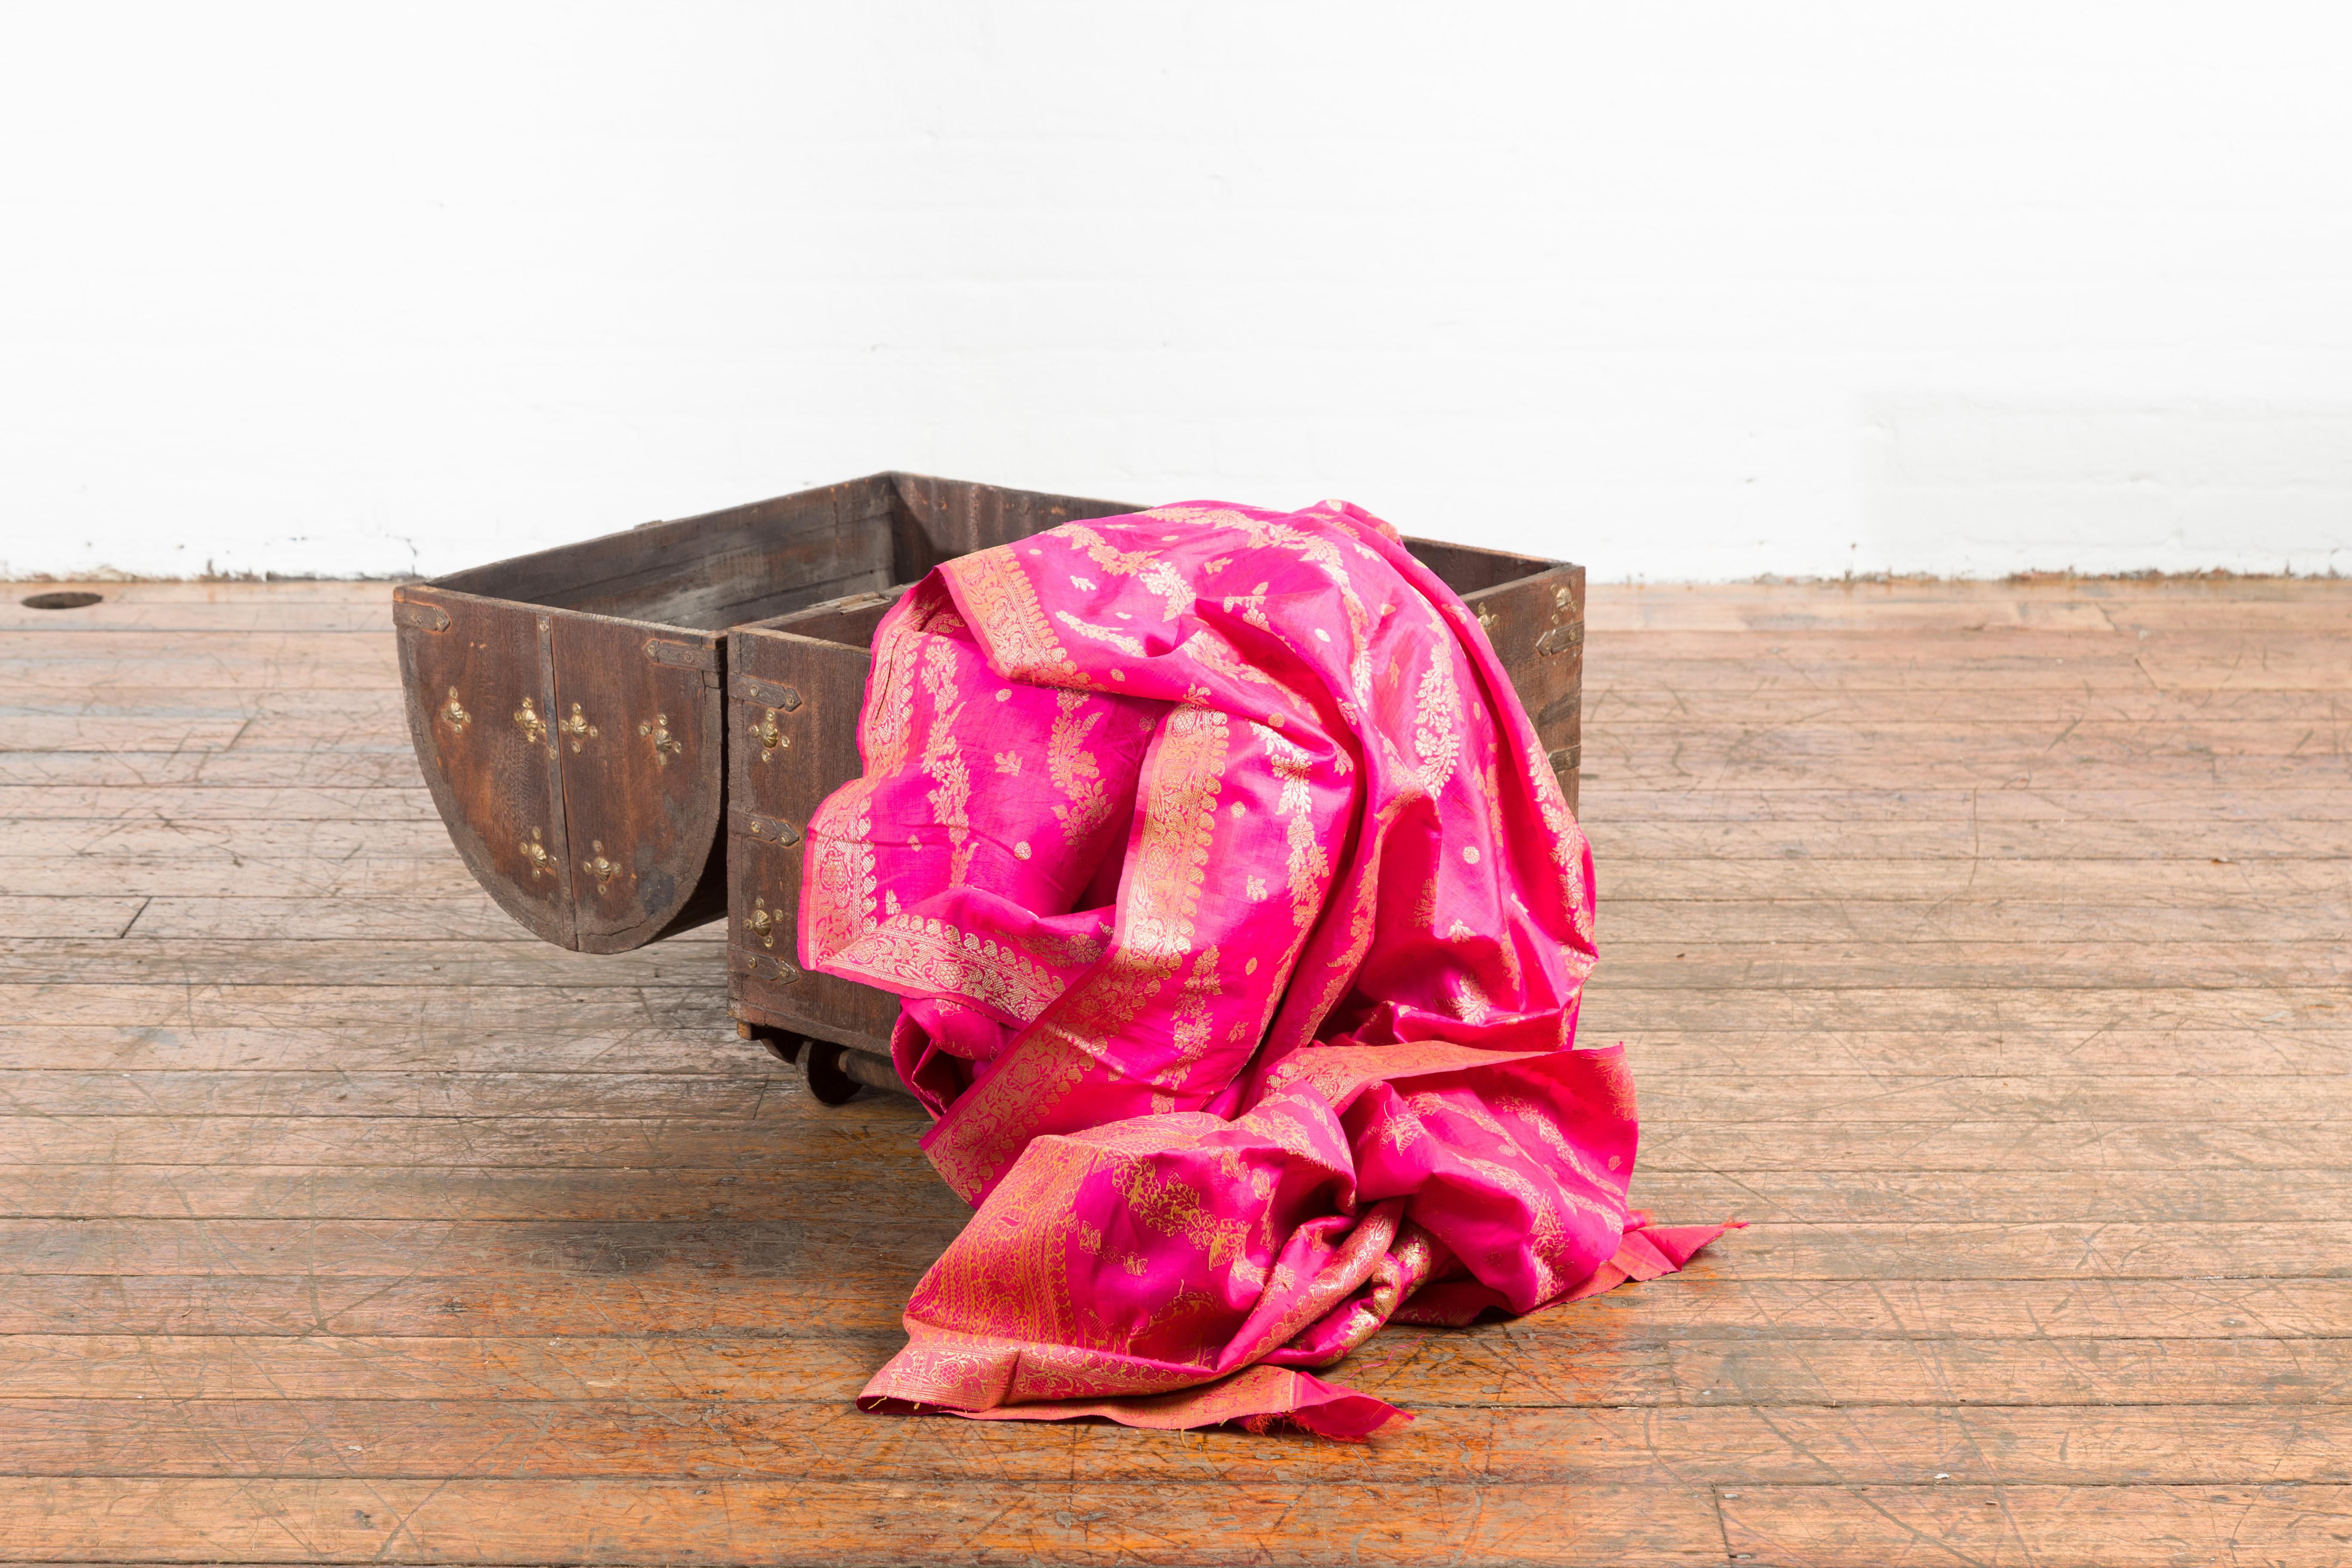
(1240, 925)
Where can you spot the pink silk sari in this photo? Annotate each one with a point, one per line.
(1240, 926)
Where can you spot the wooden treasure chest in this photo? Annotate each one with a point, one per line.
(587, 717)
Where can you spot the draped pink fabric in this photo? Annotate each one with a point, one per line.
(1240, 925)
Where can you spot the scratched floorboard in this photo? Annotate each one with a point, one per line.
(1983, 944)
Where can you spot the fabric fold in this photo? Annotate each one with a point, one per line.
(1240, 927)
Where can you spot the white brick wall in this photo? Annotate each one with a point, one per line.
(1698, 291)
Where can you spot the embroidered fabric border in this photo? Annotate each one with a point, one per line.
(918, 955)
(1007, 616)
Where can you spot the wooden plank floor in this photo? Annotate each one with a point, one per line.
(1984, 944)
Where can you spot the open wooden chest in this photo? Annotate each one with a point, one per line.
(587, 717)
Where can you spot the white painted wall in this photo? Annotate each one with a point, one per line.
(1702, 290)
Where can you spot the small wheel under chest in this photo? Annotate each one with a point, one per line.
(783, 1045)
(821, 1062)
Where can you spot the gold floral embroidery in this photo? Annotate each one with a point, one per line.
(1469, 999)
(1490, 781)
(1424, 907)
(1506, 1143)
(1401, 1133)
(888, 731)
(1194, 1020)
(1160, 576)
(1567, 848)
(1073, 768)
(1171, 1206)
(1172, 856)
(1283, 1126)
(952, 796)
(1103, 553)
(840, 862)
(1007, 1270)
(1318, 552)
(1182, 1327)
(992, 1121)
(1007, 616)
(1352, 1263)
(1541, 1119)
(922, 955)
(1108, 635)
(1175, 594)
(1213, 654)
(1437, 720)
(840, 865)
(1547, 1234)
(1206, 516)
(1308, 865)
(1162, 889)
(1071, 1372)
(1251, 606)
(1066, 952)
(1339, 969)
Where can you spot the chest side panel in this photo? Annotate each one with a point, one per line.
(1537, 626)
(793, 706)
(478, 684)
(639, 731)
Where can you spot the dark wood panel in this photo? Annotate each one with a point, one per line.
(640, 732)
(1468, 569)
(1536, 626)
(712, 570)
(796, 701)
(481, 687)
(939, 520)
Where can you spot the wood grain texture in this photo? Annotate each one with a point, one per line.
(359, 1187)
(348, 1438)
(1983, 950)
(424, 1303)
(480, 697)
(642, 822)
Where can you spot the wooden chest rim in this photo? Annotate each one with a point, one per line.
(669, 630)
